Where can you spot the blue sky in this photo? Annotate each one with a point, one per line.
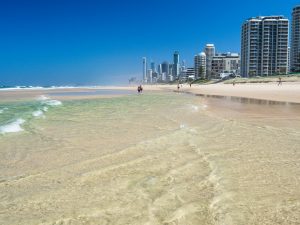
(62, 42)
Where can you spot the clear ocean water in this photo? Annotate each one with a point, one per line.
(155, 158)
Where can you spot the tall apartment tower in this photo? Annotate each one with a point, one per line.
(153, 68)
(176, 64)
(295, 41)
(159, 69)
(145, 69)
(289, 59)
(200, 65)
(264, 49)
(210, 52)
(165, 67)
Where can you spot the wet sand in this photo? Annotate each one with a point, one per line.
(287, 92)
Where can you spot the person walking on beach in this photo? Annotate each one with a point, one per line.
(140, 89)
(178, 87)
(279, 81)
(233, 83)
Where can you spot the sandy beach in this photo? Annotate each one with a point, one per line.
(288, 92)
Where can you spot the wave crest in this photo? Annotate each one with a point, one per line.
(12, 127)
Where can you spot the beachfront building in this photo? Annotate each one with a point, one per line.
(210, 52)
(200, 65)
(295, 41)
(289, 59)
(264, 49)
(190, 72)
(225, 63)
(176, 65)
(145, 69)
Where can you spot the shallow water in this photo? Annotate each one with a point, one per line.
(94, 92)
(150, 159)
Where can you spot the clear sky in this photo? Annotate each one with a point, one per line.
(84, 42)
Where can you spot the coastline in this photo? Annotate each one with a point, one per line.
(288, 92)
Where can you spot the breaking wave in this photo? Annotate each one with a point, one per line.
(12, 127)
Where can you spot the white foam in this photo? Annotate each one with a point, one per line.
(195, 108)
(45, 109)
(2, 110)
(38, 113)
(182, 126)
(53, 102)
(12, 127)
(42, 98)
(47, 101)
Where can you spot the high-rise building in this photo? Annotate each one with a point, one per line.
(182, 70)
(165, 67)
(264, 49)
(176, 64)
(171, 67)
(200, 65)
(145, 69)
(149, 76)
(159, 69)
(289, 59)
(295, 40)
(210, 52)
(153, 68)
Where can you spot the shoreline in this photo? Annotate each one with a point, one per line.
(289, 92)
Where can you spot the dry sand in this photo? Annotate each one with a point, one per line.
(288, 92)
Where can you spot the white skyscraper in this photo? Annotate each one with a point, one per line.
(149, 75)
(145, 69)
(200, 65)
(295, 41)
(210, 52)
(264, 49)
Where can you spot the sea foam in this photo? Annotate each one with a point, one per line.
(3, 109)
(38, 113)
(42, 98)
(53, 102)
(12, 127)
(47, 101)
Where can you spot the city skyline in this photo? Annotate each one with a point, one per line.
(65, 43)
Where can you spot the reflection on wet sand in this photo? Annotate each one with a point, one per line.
(245, 100)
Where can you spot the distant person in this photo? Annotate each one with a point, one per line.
(233, 83)
(279, 81)
(190, 84)
(140, 89)
(178, 87)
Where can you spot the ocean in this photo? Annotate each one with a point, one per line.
(155, 158)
